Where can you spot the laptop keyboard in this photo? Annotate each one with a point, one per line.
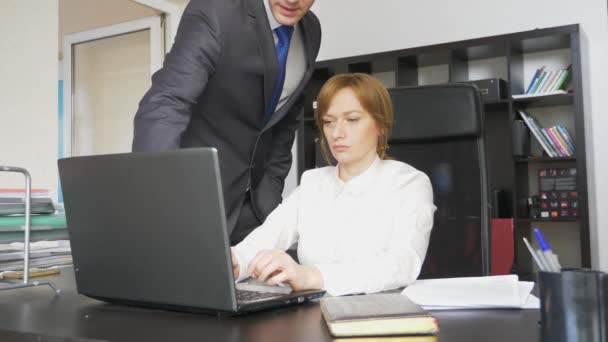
(250, 296)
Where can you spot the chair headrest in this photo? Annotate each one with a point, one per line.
(436, 112)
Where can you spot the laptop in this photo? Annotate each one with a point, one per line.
(149, 229)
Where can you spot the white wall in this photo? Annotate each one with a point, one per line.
(355, 27)
(28, 91)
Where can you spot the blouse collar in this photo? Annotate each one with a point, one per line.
(362, 181)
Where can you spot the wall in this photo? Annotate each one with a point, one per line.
(396, 24)
(28, 91)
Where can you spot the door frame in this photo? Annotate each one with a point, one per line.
(152, 23)
(173, 14)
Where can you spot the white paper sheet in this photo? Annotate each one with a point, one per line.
(473, 293)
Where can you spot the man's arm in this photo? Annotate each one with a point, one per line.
(164, 112)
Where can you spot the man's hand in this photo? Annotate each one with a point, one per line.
(275, 267)
(235, 265)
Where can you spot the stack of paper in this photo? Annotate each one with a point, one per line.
(473, 293)
(42, 254)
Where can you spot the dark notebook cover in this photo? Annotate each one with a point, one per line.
(374, 306)
(376, 314)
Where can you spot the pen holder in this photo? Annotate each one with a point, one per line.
(573, 305)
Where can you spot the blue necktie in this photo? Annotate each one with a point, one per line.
(284, 34)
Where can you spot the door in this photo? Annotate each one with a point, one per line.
(106, 73)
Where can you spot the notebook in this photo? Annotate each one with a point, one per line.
(376, 315)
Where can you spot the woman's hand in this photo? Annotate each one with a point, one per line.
(275, 267)
(236, 270)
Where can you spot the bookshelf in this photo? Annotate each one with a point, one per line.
(514, 58)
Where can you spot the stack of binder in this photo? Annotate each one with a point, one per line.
(45, 222)
(12, 201)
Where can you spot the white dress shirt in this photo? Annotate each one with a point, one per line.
(296, 58)
(366, 235)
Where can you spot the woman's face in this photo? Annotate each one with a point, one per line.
(350, 131)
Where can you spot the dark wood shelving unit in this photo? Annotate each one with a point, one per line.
(509, 53)
(539, 220)
(496, 105)
(543, 159)
(545, 101)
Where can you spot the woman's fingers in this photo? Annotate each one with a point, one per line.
(277, 278)
(259, 262)
(235, 265)
(269, 269)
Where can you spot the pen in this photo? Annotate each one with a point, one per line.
(539, 263)
(550, 257)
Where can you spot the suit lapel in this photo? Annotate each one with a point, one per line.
(308, 43)
(266, 46)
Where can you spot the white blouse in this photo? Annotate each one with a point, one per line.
(366, 235)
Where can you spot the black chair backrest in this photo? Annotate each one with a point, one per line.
(439, 130)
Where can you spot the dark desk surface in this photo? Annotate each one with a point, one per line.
(37, 310)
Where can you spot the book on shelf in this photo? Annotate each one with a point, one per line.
(551, 86)
(382, 314)
(549, 81)
(530, 122)
(534, 79)
(552, 82)
(565, 81)
(539, 81)
(543, 85)
(556, 143)
(562, 141)
(564, 132)
(552, 140)
(554, 151)
(558, 194)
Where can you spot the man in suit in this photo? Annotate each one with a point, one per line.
(233, 80)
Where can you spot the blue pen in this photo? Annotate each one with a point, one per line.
(536, 256)
(550, 257)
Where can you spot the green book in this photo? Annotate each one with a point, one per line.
(563, 82)
(539, 82)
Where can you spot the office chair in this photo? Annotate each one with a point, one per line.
(439, 130)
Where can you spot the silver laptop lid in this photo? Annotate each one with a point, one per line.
(150, 228)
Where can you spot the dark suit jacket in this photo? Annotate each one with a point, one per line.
(213, 90)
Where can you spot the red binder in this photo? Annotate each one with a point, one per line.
(503, 247)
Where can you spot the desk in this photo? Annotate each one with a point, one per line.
(36, 310)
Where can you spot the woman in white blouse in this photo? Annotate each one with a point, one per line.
(362, 226)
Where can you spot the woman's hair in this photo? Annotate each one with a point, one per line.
(372, 95)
